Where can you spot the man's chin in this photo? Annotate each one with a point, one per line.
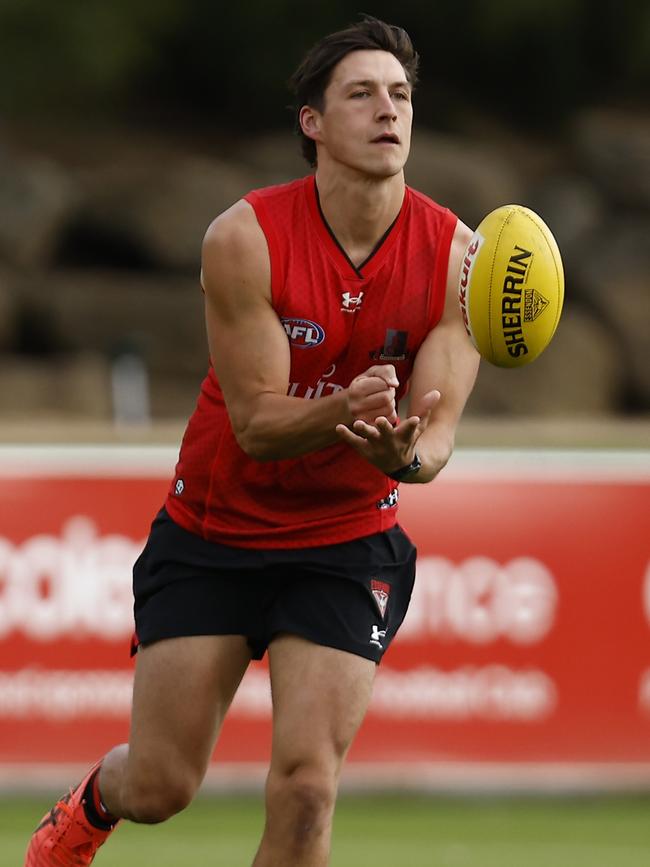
(385, 172)
(377, 169)
(382, 168)
(389, 166)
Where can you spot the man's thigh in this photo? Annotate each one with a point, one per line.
(320, 697)
(182, 690)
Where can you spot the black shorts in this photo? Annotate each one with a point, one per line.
(352, 596)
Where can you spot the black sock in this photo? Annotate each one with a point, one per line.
(92, 808)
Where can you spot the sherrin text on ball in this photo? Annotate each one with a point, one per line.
(511, 286)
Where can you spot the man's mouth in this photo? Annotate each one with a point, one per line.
(386, 138)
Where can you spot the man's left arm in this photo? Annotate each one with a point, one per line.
(447, 362)
(443, 376)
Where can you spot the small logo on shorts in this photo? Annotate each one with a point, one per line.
(381, 591)
(180, 487)
(375, 635)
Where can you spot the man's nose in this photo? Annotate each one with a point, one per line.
(386, 106)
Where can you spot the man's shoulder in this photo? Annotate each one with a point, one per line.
(278, 191)
(234, 231)
(425, 203)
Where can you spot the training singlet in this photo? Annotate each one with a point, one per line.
(340, 320)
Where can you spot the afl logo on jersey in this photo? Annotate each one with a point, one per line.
(303, 333)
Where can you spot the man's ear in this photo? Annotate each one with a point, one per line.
(310, 122)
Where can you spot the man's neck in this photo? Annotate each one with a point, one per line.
(359, 210)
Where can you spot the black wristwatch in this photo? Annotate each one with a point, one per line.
(408, 470)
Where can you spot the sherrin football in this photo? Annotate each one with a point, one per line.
(511, 286)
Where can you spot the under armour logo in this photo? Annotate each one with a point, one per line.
(376, 635)
(390, 501)
(351, 302)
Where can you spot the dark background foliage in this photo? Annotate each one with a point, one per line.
(225, 64)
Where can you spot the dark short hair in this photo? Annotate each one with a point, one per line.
(310, 80)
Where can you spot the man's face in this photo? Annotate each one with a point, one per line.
(366, 121)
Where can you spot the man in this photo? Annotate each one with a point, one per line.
(325, 299)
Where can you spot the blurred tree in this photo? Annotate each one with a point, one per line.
(226, 64)
(70, 56)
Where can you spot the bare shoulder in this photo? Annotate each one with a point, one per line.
(461, 238)
(459, 242)
(234, 252)
(236, 227)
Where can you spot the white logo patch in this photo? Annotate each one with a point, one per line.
(381, 598)
(351, 303)
(381, 591)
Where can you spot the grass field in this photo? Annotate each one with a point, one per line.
(381, 831)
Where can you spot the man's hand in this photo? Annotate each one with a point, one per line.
(372, 395)
(386, 447)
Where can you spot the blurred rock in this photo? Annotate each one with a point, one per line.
(122, 218)
(614, 148)
(570, 205)
(174, 397)
(613, 270)
(36, 197)
(580, 373)
(76, 385)
(8, 311)
(471, 179)
(630, 317)
(275, 158)
(620, 247)
(160, 317)
(162, 210)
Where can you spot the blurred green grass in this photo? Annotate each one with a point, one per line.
(380, 831)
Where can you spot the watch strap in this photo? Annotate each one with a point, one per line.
(406, 471)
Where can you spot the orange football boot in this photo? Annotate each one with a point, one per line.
(65, 837)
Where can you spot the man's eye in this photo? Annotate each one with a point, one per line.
(359, 93)
(400, 94)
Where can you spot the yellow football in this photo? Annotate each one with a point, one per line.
(511, 286)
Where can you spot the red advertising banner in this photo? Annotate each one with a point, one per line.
(527, 641)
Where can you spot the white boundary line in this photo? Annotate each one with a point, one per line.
(155, 461)
(552, 778)
(550, 465)
(88, 460)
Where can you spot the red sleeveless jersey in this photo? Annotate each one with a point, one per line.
(340, 320)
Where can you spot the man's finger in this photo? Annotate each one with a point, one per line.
(386, 372)
(426, 405)
(428, 401)
(405, 429)
(384, 425)
(374, 385)
(344, 433)
(367, 431)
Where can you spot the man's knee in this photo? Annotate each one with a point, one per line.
(150, 798)
(304, 800)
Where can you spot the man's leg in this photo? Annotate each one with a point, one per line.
(183, 688)
(320, 696)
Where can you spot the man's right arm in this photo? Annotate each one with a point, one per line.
(250, 352)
